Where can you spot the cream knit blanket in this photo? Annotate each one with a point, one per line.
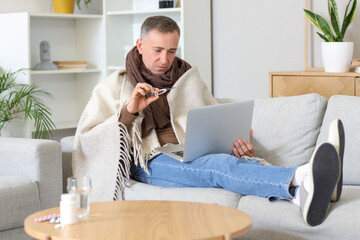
(102, 149)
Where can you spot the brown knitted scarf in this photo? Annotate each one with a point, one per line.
(138, 73)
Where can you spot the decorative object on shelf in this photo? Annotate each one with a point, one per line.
(336, 54)
(63, 6)
(71, 64)
(24, 101)
(166, 3)
(67, 6)
(356, 63)
(45, 63)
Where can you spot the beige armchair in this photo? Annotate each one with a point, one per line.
(30, 180)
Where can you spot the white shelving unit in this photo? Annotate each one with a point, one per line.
(101, 39)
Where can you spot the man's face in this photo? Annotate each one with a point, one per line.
(158, 50)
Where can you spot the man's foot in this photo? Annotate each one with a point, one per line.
(317, 189)
(337, 138)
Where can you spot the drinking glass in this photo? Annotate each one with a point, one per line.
(82, 188)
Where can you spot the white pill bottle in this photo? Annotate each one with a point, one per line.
(68, 209)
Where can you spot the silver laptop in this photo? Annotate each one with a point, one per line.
(213, 129)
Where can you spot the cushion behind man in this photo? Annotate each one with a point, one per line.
(286, 128)
(346, 108)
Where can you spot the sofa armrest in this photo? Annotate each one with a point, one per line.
(39, 160)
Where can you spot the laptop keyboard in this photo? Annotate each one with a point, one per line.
(179, 153)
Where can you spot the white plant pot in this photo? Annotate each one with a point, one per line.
(337, 56)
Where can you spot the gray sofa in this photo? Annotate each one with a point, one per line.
(30, 180)
(286, 131)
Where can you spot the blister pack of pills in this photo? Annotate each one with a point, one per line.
(52, 218)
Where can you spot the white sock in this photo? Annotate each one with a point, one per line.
(296, 199)
(300, 174)
(305, 183)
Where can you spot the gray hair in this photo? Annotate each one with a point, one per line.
(161, 23)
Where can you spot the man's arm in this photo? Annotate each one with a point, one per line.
(244, 148)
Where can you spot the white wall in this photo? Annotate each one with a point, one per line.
(254, 37)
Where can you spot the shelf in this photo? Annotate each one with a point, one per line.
(112, 68)
(133, 12)
(66, 16)
(43, 72)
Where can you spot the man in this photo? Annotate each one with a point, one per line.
(147, 122)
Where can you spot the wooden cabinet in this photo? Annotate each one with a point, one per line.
(326, 84)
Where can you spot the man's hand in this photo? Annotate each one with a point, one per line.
(243, 147)
(138, 102)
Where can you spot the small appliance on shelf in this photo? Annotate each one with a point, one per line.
(166, 3)
(71, 64)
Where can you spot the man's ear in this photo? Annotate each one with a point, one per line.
(139, 45)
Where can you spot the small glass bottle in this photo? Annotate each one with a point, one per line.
(68, 209)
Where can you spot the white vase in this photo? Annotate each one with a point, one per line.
(337, 56)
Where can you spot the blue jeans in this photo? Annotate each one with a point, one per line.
(242, 176)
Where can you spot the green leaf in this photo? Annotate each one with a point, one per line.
(348, 18)
(78, 4)
(311, 17)
(324, 27)
(320, 23)
(323, 37)
(334, 17)
(85, 1)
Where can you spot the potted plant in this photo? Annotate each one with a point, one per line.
(67, 6)
(24, 101)
(336, 53)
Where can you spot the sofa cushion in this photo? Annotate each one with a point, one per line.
(346, 108)
(142, 191)
(19, 197)
(283, 220)
(286, 128)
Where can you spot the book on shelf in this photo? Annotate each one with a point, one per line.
(355, 62)
(70, 64)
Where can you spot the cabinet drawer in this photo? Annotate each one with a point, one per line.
(325, 86)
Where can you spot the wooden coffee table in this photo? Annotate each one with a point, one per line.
(146, 220)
